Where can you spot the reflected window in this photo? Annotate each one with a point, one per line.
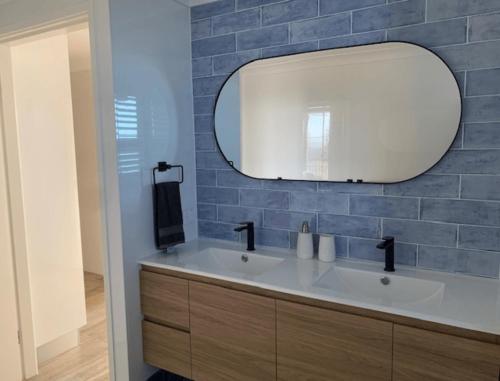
(126, 118)
(129, 162)
(127, 127)
(317, 142)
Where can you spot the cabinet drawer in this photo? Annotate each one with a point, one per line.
(431, 356)
(167, 348)
(165, 299)
(323, 345)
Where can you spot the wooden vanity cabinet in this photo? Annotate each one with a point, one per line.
(226, 332)
(166, 342)
(324, 345)
(432, 356)
(233, 335)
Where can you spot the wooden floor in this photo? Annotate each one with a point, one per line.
(89, 361)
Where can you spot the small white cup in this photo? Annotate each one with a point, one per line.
(326, 251)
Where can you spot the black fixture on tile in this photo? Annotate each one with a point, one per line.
(167, 209)
(163, 166)
(387, 244)
(249, 227)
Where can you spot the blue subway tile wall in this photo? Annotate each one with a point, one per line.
(234, 22)
(471, 56)
(262, 38)
(485, 27)
(287, 11)
(237, 214)
(432, 34)
(483, 82)
(482, 135)
(319, 28)
(447, 219)
(355, 39)
(443, 9)
(389, 15)
(480, 187)
(337, 6)
(365, 249)
(227, 63)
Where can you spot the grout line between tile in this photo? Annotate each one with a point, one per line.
(467, 38)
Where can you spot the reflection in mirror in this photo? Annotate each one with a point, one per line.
(127, 128)
(380, 113)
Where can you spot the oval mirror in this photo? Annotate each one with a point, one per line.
(376, 113)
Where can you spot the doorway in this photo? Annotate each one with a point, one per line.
(58, 209)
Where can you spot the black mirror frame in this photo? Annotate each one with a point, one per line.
(230, 163)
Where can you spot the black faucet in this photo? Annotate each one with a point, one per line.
(248, 226)
(388, 245)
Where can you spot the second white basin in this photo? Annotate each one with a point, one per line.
(388, 289)
(241, 262)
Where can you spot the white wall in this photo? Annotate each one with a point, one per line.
(42, 92)
(86, 151)
(152, 82)
(87, 170)
(10, 355)
(19, 16)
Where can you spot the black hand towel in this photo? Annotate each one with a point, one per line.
(168, 214)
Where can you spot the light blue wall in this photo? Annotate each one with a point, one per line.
(447, 219)
(151, 70)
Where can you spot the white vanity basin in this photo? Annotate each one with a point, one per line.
(451, 299)
(234, 261)
(384, 288)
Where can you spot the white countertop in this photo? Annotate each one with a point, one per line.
(460, 300)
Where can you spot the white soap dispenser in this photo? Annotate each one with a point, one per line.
(305, 242)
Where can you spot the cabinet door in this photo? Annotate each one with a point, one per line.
(164, 299)
(233, 335)
(323, 345)
(430, 356)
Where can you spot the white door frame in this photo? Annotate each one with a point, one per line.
(97, 15)
(12, 359)
(25, 316)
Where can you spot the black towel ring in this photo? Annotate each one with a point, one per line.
(163, 167)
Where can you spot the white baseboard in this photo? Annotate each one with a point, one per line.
(56, 347)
